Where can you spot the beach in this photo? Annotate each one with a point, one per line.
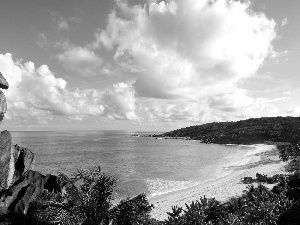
(264, 160)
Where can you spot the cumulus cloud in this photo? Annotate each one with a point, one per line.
(81, 60)
(189, 55)
(186, 48)
(120, 102)
(35, 93)
(181, 60)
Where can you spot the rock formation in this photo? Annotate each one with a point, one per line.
(21, 187)
(3, 82)
(16, 199)
(14, 160)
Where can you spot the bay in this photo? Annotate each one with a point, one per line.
(149, 165)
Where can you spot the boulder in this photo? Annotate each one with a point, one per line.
(3, 105)
(5, 155)
(14, 160)
(3, 82)
(16, 199)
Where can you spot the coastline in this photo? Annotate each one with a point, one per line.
(264, 160)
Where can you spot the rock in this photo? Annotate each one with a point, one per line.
(16, 199)
(5, 156)
(3, 105)
(3, 82)
(14, 160)
(23, 161)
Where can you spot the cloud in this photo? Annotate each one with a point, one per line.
(184, 49)
(120, 102)
(284, 22)
(180, 61)
(293, 111)
(35, 94)
(81, 60)
(234, 105)
(59, 21)
(287, 93)
(43, 41)
(188, 56)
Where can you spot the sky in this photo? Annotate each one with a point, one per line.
(147, 65)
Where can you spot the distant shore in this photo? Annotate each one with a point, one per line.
(264, 161)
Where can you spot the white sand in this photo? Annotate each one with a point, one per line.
(222, 188)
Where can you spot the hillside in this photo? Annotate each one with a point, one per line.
(250, 131)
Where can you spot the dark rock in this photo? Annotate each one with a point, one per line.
(14, 160)
(23, 162)
(3, 82)
(16, 199)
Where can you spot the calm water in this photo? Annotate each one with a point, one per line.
(141, 164)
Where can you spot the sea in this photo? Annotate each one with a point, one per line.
(141, 164)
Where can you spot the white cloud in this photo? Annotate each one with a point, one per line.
(189, 55)
(120, 102)
(284, 22)
(294, 111)
(287, 93)
(180, 60)
(187, 48)
(236, 104)
(36, 94)
(81, 60)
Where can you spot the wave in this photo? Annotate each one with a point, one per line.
(159, 186)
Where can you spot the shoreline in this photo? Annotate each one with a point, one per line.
(262, 160)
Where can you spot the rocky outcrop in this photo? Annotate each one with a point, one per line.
(16, 199)
(3, 82)
(14, 160)
(20, 186)
(5, 157)
(3, 105)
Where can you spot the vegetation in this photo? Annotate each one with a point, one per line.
(87, 195)
(250, 131)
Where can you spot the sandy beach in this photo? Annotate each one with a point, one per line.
(264, 160)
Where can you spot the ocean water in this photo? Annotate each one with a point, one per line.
(149, 165)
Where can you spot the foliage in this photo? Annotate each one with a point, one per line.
(87, 199)
(95, 193)
(256, 206)
(132, 211)
(254, 130)
(88, 193)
